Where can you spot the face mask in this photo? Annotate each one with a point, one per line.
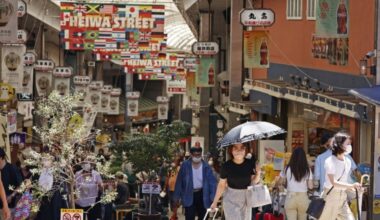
(197, 159)
(86, 167)
(248, 156)
(46, 163)
(173, 164)
(210, 163)
(348, 149)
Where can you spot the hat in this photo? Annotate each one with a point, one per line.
(195, 150)
(325, 137)
(119, 174)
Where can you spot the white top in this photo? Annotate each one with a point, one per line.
(335, 166)
(197, 177)
(292, 184)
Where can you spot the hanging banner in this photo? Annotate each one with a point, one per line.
(7, 92)
(12, 67)
(114, 101)
(89, 116)
(111, 26)
(21, 9)
(8, 21)
(206, 72)
(332, 18)
(81, 86)
(191, 64)
(191, 88)
(25, 109)
(62, 79)
(133, 103)
(106, 96)
(94, 94)
(44, 76)
(163, 106)
(256, 53)
(17, 138)
(4, 135)
(176, 86)
(335, 50)
(12, 121)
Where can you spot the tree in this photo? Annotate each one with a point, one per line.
(63, 134)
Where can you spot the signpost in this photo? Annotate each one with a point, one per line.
(151, 188)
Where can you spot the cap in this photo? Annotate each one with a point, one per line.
(195, 150)
(325, 137)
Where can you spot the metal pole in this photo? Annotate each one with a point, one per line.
(377, 41)
(128, 88)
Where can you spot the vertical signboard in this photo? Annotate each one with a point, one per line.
(256, 53)
(8, 21)
(12, 68)
(206, 72)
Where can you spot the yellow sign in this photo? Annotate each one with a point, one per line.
(376, 206)
(71, 214)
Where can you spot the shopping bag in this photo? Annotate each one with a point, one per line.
(23, 207)
(259, 195)
(316, 206)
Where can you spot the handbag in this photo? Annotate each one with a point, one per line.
(258, 195)
(23, 207)
(317, 204)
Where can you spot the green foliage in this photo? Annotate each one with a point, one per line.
(144, 150)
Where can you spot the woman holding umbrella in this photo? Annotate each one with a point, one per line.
(235, 177)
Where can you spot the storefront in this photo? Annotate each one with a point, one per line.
(308, 114)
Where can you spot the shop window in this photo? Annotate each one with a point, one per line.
(311, 9)
(294, 9)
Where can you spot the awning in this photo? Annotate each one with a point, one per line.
(371, 95)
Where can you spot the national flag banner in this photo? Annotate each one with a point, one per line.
(80, 8)
(107, 9)
(117, 23)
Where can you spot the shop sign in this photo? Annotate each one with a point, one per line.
(24, 97)
(71, 214)
(257, 18)
(205, 48)
(21, 10)
(151, 188)
(99, 26)
(191, 62)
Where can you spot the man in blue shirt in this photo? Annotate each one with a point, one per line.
(195, 185)
(319, 167)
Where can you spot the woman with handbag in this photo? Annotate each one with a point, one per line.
(299, 179)
(337, 169)
(235, 176)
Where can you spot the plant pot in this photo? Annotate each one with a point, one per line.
(143, 216)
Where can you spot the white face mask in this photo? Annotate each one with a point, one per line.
(172, 164)
(210, 162)
(248, 156)
(46, 163)
(348, 149)
(196, 159)
(86, 167)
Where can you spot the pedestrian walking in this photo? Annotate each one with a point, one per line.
(235, 176)
(170, 186)
(10, 176)
(319, 168)
(338, 168)
(195, 185)
(298, 178)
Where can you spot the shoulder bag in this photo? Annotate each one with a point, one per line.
(317, 204)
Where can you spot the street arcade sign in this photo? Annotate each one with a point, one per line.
(257, 18)
(205, 48)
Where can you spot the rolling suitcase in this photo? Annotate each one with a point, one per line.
(269, 216)
(209, 211)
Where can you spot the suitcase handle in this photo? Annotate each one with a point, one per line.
(208, 211)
